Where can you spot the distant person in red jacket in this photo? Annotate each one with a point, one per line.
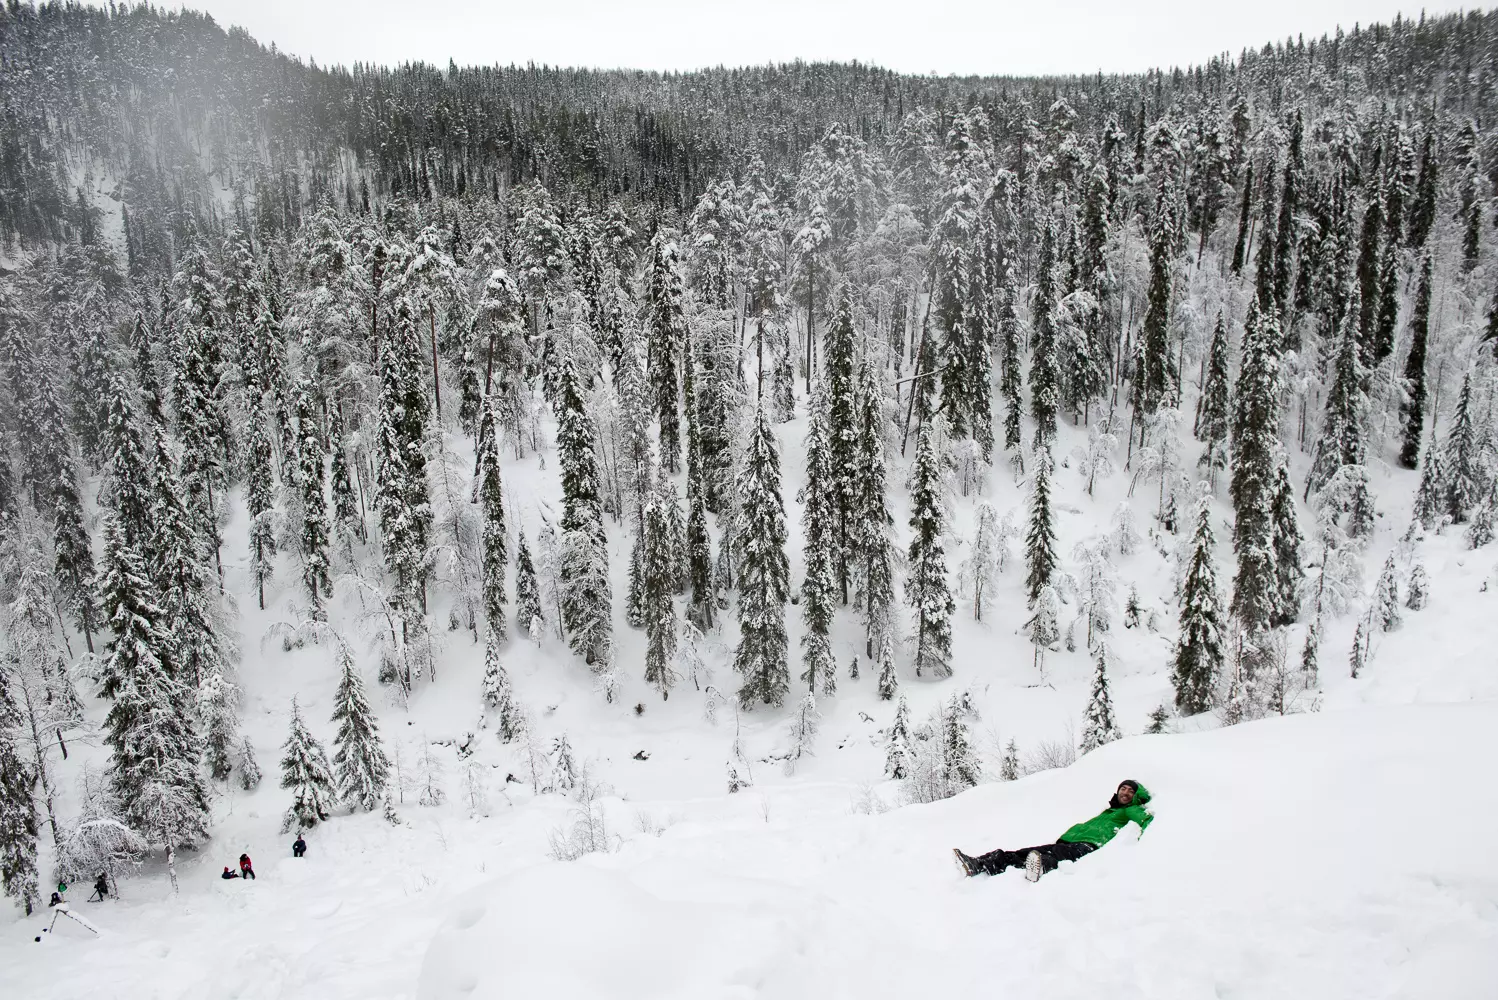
(1126, 806)
(245, 870)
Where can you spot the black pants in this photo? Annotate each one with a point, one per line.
(1051, 855)
(247, 873)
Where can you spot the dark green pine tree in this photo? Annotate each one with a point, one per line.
(361, 768)
(840, 400)
(1287, 545)
(665, 338)
(1255, 468)
(873, 525)
(1011, 375)
(310, 481)
(305, 772)
(73, 565)
(587, 618)
(1284, 238)
(763, 573)
(1490, 335)
(1245, 215)
(1213, 423)
(1472, 237)
(201, 430)
(1386, 322)
(697, 549)
(261, 503)
(401, 497)
(1423, 209)
(926, 589)
(1341, 439)
(1045, 389)
(527, 591)
(1412, 409)
(1155, 375)
(819, 529)
(492, 511)
(1461, 460)
(1369, 290)
(1040, 539)
(1199, 650)
(659, 606)
(634, 599)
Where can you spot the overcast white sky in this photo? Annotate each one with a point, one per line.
(918, 36)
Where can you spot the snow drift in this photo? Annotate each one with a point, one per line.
(1334, 855)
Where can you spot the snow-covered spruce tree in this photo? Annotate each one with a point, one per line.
(1255, 467)
(1386, 598)
(1412, 410)
(1009, 763)
(527, 589)
(402, 496)
(763, 574)
(499, 693)
(1429, 509)
(1199, 653)
(697, 552)
(249, 767)
(127, 463)
(18, 825)
(1155, 376)
(1045, 390)
(1214, 412)
(634, 598)
(260, 503)
(1461, 462)
(888, 679)
(871, 533)
(310, 481)
(586, 596)
(305, 772)
(960, 767)
(1011, 375)
(156, 751)
(819, 529)
(1341, 441)
(348, 519)
(665, 338)
(1417, 591)
(1099, 727)
(492, 507)
(1096, 585)
(1287, 544)
(839, 392)
(1481, 526)
(926, 589)
(360, 766)
(897, 739)
(1040, 539)
(658, 604)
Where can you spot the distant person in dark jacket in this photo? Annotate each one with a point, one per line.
(101, 886)
(245, 870)
(1126, 806)
(299, 848)
(229, 873)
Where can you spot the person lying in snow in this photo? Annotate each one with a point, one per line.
(1081, 840)
(229, 873)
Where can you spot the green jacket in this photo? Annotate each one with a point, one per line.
(1101, 828)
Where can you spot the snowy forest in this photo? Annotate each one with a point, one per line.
(736, 393)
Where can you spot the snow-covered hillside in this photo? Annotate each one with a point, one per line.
(1336, 855)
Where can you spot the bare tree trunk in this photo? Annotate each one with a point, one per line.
(436, 380)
